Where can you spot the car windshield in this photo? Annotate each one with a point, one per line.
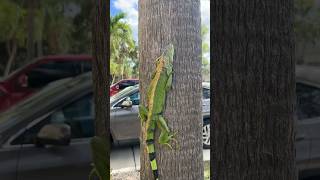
(45, 94)
(123, 92)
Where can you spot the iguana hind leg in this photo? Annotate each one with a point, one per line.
(165, 136)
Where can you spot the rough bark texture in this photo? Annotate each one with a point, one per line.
(178, 22)
(100, 70)
(254, 90)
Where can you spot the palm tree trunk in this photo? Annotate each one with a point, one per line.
(177, 22)
(254, 90)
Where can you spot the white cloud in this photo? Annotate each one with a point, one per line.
(131, 8)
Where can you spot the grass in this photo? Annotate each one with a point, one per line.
(206, 170)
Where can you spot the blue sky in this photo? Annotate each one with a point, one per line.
(130, 7)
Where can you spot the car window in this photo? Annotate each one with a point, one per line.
(78, 115)
(123, 85)
(135, 98)
(86, 66)
(205, 93)
(308, 101)
(47, 72)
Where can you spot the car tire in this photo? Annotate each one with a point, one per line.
(206, 134)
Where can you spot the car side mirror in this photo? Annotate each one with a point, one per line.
(23, 81)
(54, 134)
(126, 103)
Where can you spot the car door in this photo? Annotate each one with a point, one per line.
(9, 156)
(59, 162)
(308, 107)
(125, 124)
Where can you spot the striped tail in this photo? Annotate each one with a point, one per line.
(151, 150)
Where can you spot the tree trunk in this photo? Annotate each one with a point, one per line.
(178, 22)
(100, 72)
(100, 69)
(12, 51)
(30, 40)
(254, 90)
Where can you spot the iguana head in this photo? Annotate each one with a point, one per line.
(168, 56)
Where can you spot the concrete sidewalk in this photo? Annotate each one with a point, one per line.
(128, 158)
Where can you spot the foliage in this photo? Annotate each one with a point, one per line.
(306, 24)
(206, 170)
(60, 27)
(100, 160)
(122, 47)
(205, 50)
(12, 22)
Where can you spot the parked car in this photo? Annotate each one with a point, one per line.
(27, 80)
(68, 103)
(125, 123)
(116, 87)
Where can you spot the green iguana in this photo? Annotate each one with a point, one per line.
(152, 114)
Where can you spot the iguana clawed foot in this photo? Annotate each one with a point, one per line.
(165, 138)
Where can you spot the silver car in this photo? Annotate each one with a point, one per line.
(125, 123)
(69, 102)
(65, 152)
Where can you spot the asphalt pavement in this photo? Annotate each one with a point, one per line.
(128, 158)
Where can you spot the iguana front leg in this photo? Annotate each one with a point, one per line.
(169, 82)
(165, 135)
(143, 112)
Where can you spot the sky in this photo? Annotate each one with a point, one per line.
(130, 7)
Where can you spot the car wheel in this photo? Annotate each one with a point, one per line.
(206, 134)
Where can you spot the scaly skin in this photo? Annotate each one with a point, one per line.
(152, 114)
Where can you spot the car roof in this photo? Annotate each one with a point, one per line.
(123, 80)
(66, 57)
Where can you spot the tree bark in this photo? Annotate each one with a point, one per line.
(178, 22)
(254, 90)
(100, 68)
(100, 72)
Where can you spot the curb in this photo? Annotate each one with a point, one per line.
(122, 170)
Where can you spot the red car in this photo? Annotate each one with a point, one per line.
(29, 79)
(115, 88)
